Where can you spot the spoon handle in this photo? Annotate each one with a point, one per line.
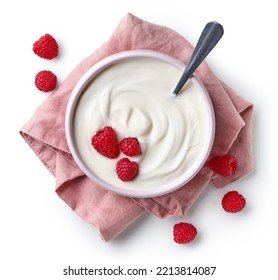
(210, 36)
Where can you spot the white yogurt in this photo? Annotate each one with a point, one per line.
(134, 97)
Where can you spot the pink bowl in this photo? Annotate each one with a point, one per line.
(81, 87)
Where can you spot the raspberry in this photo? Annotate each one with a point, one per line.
(46, 47)
(105, 141)
(184, 233)
(127, 170)
(223, 165)
(45, 81)
(130, 146)
(233, 202)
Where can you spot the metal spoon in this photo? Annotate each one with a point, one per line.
(210, 36)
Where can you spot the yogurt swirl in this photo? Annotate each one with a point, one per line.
(134, 97)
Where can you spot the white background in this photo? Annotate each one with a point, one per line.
(40, 235)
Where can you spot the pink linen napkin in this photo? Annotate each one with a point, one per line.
(111, 213)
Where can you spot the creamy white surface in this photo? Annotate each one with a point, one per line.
(134, 97)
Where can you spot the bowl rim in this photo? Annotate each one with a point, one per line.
(95, 70)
